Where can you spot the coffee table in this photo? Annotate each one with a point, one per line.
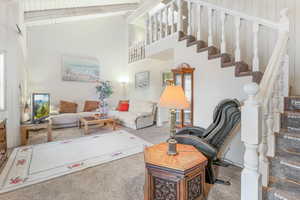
(87, 122)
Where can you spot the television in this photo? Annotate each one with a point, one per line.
(40, 107)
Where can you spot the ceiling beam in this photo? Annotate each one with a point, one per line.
(32, 17)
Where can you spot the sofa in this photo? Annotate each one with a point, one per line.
(72, 118)
(141, 114)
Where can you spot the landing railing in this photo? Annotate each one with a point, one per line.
(136, 52)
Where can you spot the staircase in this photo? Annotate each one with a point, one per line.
(270, 123)
(227, 60)
(285, 166)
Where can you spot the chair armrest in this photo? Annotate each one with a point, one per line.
(194, 130)
(208, 150)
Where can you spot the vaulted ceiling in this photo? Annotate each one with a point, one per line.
(38, 5)
(38, 12)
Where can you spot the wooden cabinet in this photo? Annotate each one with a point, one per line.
(184, 76)
(3, 142)
(180, 177)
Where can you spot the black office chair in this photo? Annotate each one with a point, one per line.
(213, 141)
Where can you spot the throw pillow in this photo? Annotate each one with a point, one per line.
(90, 106)
(124, 107)
(122, 102)
(67, 107)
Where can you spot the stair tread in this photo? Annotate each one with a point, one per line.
(284, 187)
(289, 135)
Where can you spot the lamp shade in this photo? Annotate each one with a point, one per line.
(173, 97)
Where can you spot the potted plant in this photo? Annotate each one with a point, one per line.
(104, 90)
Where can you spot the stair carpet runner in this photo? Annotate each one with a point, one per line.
(285, 166)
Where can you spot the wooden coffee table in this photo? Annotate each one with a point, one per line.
(87, 122)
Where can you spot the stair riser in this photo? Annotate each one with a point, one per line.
(291, 122)
(291, 145)
(282, 169)
(292, 104)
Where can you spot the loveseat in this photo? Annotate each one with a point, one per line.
(141, 114)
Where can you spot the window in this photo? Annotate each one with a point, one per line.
(2, 81)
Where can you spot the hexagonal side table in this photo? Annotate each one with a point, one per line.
(180, 177)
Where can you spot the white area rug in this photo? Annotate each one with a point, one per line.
(33, 164)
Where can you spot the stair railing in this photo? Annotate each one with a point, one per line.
(136, 52)
(164, 22)
(261, 116)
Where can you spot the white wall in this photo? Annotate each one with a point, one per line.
(156, 68)
(12, 43)
(103, 38)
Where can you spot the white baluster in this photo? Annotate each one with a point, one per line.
(156, 27)
(251, 188)
(210, 36)
(161, 23)
(150, 29)
(237, 38)
(167, 21)
(179, 20)
(223, 41)
(147, 29)
(263, 148)
(255, 48)
(189, 17)
(199, 11)
(286, 74)
(172, 18)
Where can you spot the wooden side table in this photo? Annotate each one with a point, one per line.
(180, 177)
(25, 128)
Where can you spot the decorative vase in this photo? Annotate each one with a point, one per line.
(104, 107)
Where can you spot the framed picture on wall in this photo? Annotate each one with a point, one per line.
(142, 79)
(81, 69)
(166, 76)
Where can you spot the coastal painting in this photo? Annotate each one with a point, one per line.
(81, 69)
(142, 80)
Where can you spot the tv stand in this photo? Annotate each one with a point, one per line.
(25, 128)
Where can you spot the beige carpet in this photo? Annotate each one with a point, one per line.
(118, 180)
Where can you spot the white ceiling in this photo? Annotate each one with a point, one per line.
(38, 5)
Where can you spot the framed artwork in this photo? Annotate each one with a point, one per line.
(142, 79)
(81, 69)
(166, 76)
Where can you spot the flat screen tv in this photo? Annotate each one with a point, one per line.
(40, 107)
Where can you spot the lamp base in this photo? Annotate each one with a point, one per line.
(172, 150)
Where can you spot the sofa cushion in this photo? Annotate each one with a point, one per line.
(67, 107)
(90, 106)
(141, 107)
(123, 107)
(65, 118)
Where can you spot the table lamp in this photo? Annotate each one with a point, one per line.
(173, 97)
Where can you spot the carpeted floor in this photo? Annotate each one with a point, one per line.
(118, 180)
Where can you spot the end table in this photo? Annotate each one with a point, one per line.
(180, 177)
(25, 128)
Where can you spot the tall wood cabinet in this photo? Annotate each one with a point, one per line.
(184, 76)
(3, 142)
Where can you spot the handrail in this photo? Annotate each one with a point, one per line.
(258, 20)
(272, 70)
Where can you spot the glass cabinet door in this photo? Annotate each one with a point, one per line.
(187, 114)
(178, 81)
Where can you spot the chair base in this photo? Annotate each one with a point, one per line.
(222, 182)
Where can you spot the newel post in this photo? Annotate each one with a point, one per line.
(251, 126)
